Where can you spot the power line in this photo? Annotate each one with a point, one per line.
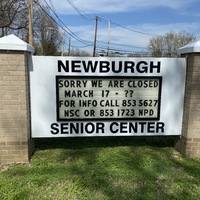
(87, 43)
(80, 12)
(65, 27)
(120, 51)
(105, 20)
(83, 15)
(133, 30)
(52, 5)
(125, 45)
(109, 21)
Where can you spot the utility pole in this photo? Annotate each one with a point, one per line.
(108, 38)
(95, 36)
(69, 47)
(63, 43)
(30, 9)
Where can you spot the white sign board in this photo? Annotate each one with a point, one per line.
(78, 96)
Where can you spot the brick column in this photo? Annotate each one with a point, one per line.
(189, 143)
(16, 145)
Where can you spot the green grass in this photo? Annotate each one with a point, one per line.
(103, 169)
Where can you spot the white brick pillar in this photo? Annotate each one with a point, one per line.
(16, 145)
(189, 143)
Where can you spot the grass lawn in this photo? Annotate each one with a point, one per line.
(117, 168)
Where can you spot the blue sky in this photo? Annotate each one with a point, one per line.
(133, 22)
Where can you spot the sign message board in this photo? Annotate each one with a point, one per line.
(73, 97)
(96, 98)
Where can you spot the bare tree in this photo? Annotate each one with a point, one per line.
(167, 45)
(47, 36)
(13, 17)
(14, 20)
(78, 52)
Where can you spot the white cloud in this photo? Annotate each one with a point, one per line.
(161, 29)
(110, 6)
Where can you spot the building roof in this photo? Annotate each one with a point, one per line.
(12, 42)
(193, 47)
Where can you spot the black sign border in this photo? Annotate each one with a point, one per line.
(110, 78)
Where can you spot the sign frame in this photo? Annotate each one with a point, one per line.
(44, 70)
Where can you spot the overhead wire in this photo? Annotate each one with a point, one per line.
(50, 1)
(88, 43)
(127, 28)
(124, 45)
(80, 12)
(64, 27)
(83, 15)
